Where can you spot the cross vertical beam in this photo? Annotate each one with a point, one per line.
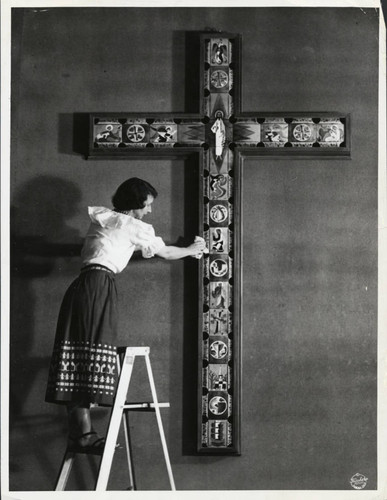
(222, 136)
(220, 334)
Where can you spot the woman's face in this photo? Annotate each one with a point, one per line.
(140, 212)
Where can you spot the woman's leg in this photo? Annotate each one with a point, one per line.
(80, 427)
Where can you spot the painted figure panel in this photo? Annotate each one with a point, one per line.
(219, 295)
(219, 322)
(219, 238)
(163, 133)
(219, 211)
(219, 51)
(219, 267)
(330, 132)
(107, 133)
(274, 132)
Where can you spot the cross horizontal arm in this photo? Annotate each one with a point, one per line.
(121, 134)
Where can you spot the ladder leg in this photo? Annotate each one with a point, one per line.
(129, 452)
(159, 421)
(65, 471)
(115, 420)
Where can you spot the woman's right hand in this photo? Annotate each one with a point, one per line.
(198, 247)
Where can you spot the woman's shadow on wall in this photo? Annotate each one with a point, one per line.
(42, 243)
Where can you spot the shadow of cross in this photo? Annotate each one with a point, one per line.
(220, 136)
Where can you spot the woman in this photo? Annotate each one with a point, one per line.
(83, 365)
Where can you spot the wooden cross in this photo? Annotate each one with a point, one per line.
(221, 136)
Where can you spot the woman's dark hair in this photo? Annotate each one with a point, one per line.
(132, 194)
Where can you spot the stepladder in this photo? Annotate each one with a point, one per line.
(126, 357)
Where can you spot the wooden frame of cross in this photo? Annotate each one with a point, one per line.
(221, 137)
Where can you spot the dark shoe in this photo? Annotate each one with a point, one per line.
(95, 448)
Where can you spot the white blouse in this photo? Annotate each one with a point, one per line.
(113, 237)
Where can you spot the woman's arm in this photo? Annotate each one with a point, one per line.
(173, 253)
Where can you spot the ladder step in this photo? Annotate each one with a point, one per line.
(144, 406)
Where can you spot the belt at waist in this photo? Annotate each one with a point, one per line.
(96, 267)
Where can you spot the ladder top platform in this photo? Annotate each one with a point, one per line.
(134, 351)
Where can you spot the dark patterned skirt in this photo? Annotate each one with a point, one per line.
(84, 365)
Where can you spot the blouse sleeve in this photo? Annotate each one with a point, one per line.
(147, 242)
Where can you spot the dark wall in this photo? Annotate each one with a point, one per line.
(309, 242)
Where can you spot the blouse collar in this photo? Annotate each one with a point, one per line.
(106, 217)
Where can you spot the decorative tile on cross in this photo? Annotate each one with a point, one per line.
(221, 136)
